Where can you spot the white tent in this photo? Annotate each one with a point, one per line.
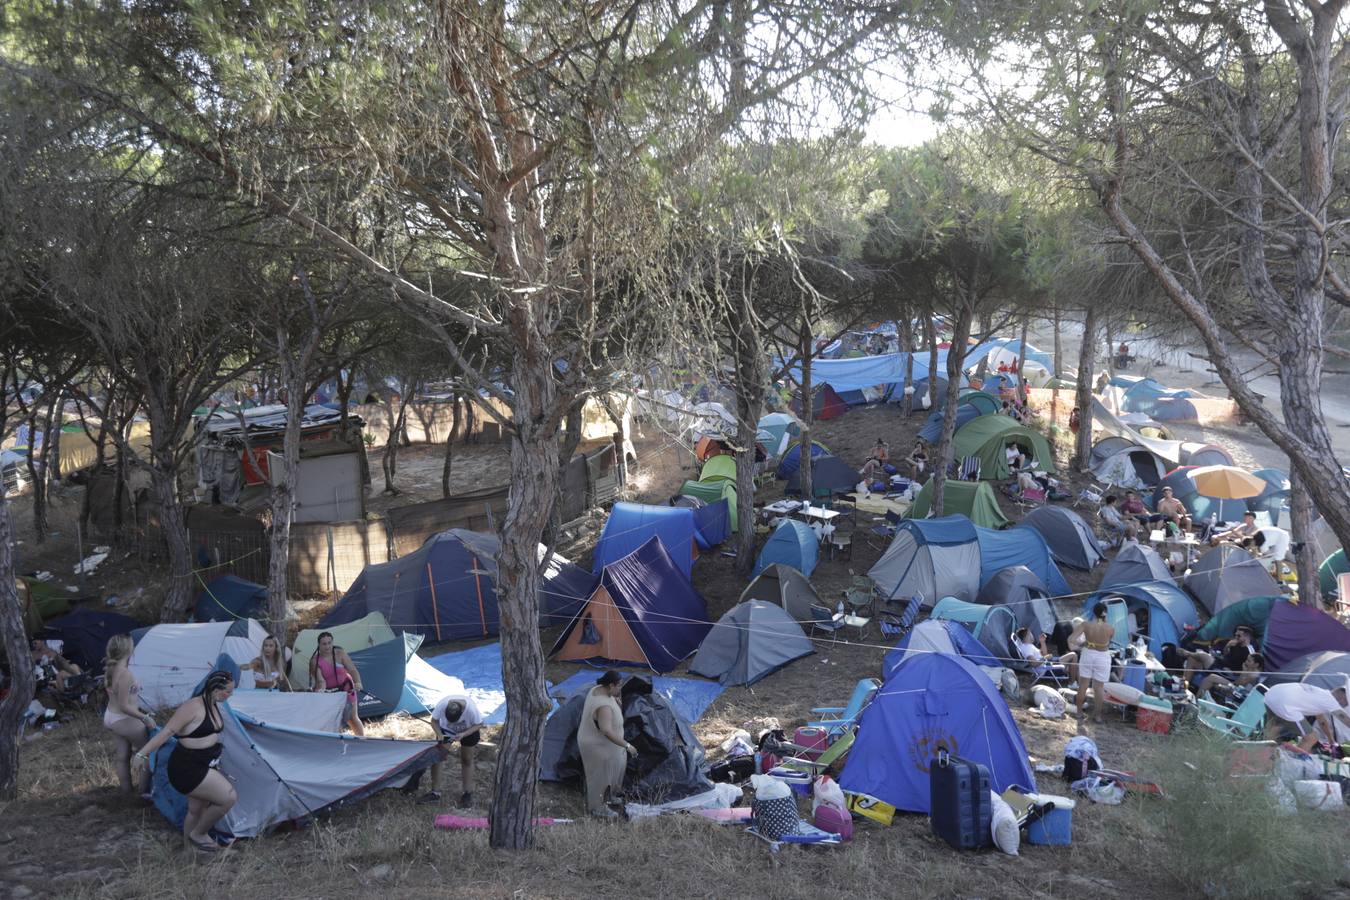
(284, 774)
(171, 660)
(1132, 467)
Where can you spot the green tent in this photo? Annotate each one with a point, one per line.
(972, 499)
(719, 468)
(1252, 612)
(987, 436)
(985, 403)
(1333, 565)
(712, 491)
(48, 599)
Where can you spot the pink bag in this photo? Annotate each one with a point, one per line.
(829, 809)
(835, 821)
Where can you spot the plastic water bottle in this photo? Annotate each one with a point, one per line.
(840, 608)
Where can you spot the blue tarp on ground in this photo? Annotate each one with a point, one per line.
(480, 668)
(230, 597)
(792, 543)
(1019, 546)
(933, 702)
(630, 525)
(690, 697)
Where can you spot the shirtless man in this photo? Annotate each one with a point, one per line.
(1173, 510)
(1238, 534)
(1094, 663)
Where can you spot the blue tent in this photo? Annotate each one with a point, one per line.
(931, 703)
(645, 612)
(1200, 506)
(630, 525)
(1170, 611)
(1019, 546)
(446, 589)
(792, 543)
(85, 635)
(792, 459)
(938, 636)
(991, 625)
(1275, 496)
(230, 597)
(997, 382)
(931, 558)
(396, 679)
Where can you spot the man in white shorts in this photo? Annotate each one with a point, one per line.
(1094, 661)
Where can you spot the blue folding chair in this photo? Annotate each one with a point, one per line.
(847, 716)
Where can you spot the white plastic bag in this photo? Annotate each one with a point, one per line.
(1048, 702)
(826, 792)
(1003, 826)
(768, 788)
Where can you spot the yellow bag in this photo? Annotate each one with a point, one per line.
(870, 807)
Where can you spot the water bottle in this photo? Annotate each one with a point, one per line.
(759, 763)
(840, 608)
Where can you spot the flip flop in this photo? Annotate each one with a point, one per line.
(206, 846)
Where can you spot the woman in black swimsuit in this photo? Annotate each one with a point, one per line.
(192, 767)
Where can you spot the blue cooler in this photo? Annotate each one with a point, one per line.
(1135, 674)
(1055, 828)
(798, 782)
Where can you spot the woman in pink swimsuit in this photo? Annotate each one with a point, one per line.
(331, 669)
(124, 717)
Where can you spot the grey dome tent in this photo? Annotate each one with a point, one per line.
(1071, 540)
(1226, 575)
(788, 587)
(1136, 563)
(1018, 588)
(752, 640)
(1328, 670)
(670, 760)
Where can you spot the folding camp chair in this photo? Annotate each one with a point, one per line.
(862, 596)
(1243, 723)
(893, 625)
(969, 470)
(885, 530)
(847, 716)
(831, 755)
(841, 542)
(824, 620)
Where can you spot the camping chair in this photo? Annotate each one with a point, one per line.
(969, 469)
(824, 620)
(862, 596)
(847, 716)
(1242, 723)
(1090, 496)
(885, 530)
(893, 625)
(841, 541)
(827, 759)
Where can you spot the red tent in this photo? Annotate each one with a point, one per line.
(826, 404)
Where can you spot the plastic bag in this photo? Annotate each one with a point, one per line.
(767, 788)
(826, 792)
(1003, 826)
(1100, 790)
(1048, 702)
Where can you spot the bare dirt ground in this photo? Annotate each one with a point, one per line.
(70, 835)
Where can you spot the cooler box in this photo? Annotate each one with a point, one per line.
(798, 782)
(960, 809)
(817, 739)
(1055, 827)
(1154, 715)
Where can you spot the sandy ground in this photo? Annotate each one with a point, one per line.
(121, 849)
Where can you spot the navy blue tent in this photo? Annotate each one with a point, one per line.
(1019, 546)
(631, 525)
(930, 703)
(644, 612)
(447, 589)
(712, 523)
(792, 459)
(85, 635)
(932, 429)
(230, 597)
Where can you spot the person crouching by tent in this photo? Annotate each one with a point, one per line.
(331, 669)
(1094, 663)
(455, 717)
(1292, 705)
(604, 752)
(193, 767)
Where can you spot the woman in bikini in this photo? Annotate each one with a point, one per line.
(269, 667)
(124, 717)
(331, 669)
(193, 767)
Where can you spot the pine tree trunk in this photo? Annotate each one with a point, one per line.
(942, 459)
(1082, 454)
(37, 470)
(450, 443)
(931, 330)
(982, 369)
(173, 525)
(750, 387)
(283, 505)
(1059, 346)
(1301, 516)
(808, 416)
(534, 485)
(15, 704)
(1022, 364)
(906, 328)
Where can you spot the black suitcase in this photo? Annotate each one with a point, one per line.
(959, 806)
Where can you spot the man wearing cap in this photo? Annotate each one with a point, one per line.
(1291, 706)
